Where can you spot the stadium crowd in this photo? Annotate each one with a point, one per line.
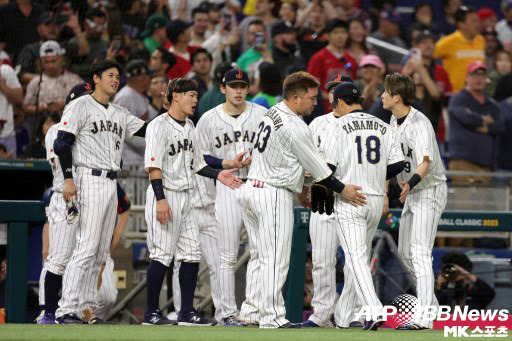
(460, 62)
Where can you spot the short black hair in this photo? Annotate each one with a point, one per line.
(101, 66)
(95, 12)
(198, 52)
(462, 13)
(167, 57)
(457, 258)
(257, 22)
(220, 70)
(198, 10)
(351, 100)
(332, 24)
(180, 85)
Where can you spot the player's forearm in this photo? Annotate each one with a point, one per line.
(13, 95)
(63, 149)
(142, 131)
(331, 182)
(422, 169)
(216, 163)
(209, 172)
(394, 169)
(118, 231)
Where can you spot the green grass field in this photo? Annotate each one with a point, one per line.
(176, 333)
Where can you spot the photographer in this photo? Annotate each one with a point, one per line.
(457, 286)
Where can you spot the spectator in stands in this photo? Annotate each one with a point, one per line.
(11, 95)
(20, 18)
(49, 90)
(47, 29)
(132, 97)
(288, 11)
(83, 48)
(492, 46)
(346, 10)
(154, 32)
(270, 85)
(200, 22)
(201, 70)
(504, 143)
(433, 86)
(178, 33)
(356, 42)
(214, 16)
(389, 32)
(462, 47)
(502, 65)
(37, 149)
(457, 286)
(475, 121)
(487, 18)
(265, 11)
(503, 28)
(161, 62)
(333, 59)
(370, 83)
(448, 22)
(259, 51)
(424, 14)
(284, 48)
(312, 37)
(214, 96)
(157, 89)
(133, 22)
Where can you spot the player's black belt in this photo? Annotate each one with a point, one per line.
(109, 174)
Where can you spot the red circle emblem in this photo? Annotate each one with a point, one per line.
(51, 149)
(65, 123)
(152, 159)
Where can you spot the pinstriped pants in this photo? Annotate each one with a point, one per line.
(418, 227)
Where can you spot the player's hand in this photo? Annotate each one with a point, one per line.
(352, 196)
(303, 197)
(163, 211)
(386, 205)
(229, 179)
(69, 189)
(405, 191)
(239, 161)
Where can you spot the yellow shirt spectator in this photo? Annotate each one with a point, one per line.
(457, 53)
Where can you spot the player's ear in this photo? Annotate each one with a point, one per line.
(223, 88)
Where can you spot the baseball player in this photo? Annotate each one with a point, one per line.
(362, 148)
(169, 160)
(323, 234)
(90, 142)
(283, 149)
(424, 189)
(224, 134)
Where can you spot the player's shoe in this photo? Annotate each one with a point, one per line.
(157, 318)
(232, 322)
(413, 326)
(309, 324)
(97, 320)
(248, 322)
(194, 319)
(355, 324)
(374, 324)
(69, 319)
(48, 318)
(291, 325)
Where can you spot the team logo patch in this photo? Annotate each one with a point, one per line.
(152, 159)
(239, 75)
(392, 221)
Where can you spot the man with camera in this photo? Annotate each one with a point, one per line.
(457, 286)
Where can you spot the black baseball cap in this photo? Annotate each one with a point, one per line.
(137, 67)
(45, 18)
(235, 76)
(337, 80)
(78, 91)
(175, 28)
(281, 27)
(344, 89)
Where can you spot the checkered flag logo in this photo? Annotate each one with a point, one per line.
(406, 306)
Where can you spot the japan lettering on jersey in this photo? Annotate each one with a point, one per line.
(99, 131)
(361, 146)
(320, 125)
(416, 138)
(58, 176)
(169, 147)
(283, 149)
(223, 136)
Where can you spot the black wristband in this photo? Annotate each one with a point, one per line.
(158, 188)
(333, 184)
(414, 180)
(209, 172)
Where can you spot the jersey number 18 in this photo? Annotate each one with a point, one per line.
(372, 149)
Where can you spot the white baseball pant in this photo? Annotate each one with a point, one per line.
(107, 295)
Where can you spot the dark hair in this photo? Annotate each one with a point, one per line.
(457, 258)
(497, 53)
(298, 83)
(462, 13)
(397, 84)
(167, 57)
(198, 10)
(349, 40)
(257, 22)
(95, 12)
(180, 85)
(271, 81)
(351, 100)
(198, 52)
(420, 5)
(101, 66)
(220, 70)
(335, 23)
(45, 115)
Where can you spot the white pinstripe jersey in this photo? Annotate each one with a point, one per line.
(417, 139)
(223, 136)
(58, 176)
(169, 148)
(361, 146)
(320, 125)
(283, 149)
(100, 132)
